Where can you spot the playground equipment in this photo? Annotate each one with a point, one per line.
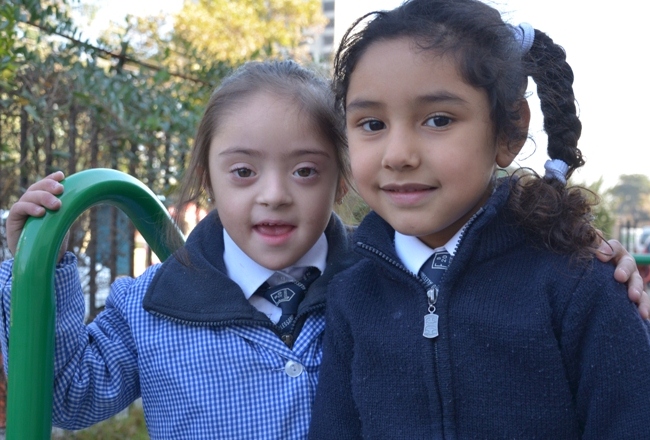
(31, 349)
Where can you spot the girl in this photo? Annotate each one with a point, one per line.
(191, 336)
(526, 335)
(210, 357)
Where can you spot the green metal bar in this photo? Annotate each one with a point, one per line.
(642, 259)
(31, 347)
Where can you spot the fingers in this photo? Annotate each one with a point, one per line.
(610, 249)
(40, 196)
(644, 305)
(626, 268)
(626, 272)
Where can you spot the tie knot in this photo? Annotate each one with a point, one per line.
(288, 296)
(433, 269)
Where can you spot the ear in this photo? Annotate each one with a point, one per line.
(341, 191)
(508, 150)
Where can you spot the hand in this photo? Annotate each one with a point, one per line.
(37, 198)
(626, 272)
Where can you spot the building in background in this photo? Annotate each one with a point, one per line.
(322, 45)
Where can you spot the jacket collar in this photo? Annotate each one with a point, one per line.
(376, 233)
(199, 292)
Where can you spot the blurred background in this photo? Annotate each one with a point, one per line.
(122, 84)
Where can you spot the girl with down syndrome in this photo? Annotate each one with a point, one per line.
(201, 338)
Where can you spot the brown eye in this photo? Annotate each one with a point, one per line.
(243, 172)
(373, 125)
(438, 121)
(304, 172)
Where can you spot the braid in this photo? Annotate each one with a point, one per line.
(558, 216)
(554, 78)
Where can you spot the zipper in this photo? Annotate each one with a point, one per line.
(391, 261)
(467, 225)
(432, 291)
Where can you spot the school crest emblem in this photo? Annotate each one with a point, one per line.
(282, 295)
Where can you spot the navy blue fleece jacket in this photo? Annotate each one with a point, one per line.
(531, 344)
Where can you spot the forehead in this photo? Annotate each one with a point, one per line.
(410, 72)
(266, 123)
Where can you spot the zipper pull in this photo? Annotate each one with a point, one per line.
(430, 330)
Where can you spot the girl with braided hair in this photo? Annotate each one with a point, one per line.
(525, 334)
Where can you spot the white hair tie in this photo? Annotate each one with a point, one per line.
(556, 169)
(525, 35)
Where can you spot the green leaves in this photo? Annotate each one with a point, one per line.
(135, 99)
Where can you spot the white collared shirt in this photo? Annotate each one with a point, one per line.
(250, 275)
(413, 252)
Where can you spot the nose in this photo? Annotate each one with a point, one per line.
(274, 191)
(401, 150)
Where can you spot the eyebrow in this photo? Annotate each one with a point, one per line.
(240, 150)
(259, 153)
(441, 97)
(364, 104)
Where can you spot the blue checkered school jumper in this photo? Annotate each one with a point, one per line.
(196, 382)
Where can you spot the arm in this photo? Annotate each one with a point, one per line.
(96, 371)
(95, 366)
(606, 348)
(626, 272)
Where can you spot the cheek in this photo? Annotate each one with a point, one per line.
(360, 163)
(231, 212)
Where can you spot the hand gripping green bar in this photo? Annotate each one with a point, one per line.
(31, 347)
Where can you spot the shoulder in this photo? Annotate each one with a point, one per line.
(133, 289)
(582, 293)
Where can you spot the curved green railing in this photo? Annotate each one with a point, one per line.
(31, 347)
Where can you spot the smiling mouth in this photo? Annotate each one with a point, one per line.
(408, 195)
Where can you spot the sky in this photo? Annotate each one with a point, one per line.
(604, 45)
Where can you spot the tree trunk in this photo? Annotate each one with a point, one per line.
(92, 245)
(72, 140)
(49, 143)
(24, 148)
(92, 270)
(132, 171)
(113, 228)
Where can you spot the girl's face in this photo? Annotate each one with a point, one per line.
(274, 180)
(421, 140)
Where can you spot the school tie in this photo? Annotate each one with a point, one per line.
(288, 296)
(431, 273)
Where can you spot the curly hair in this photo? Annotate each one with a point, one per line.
(489, 57)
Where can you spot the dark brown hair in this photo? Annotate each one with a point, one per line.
(489, 57)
